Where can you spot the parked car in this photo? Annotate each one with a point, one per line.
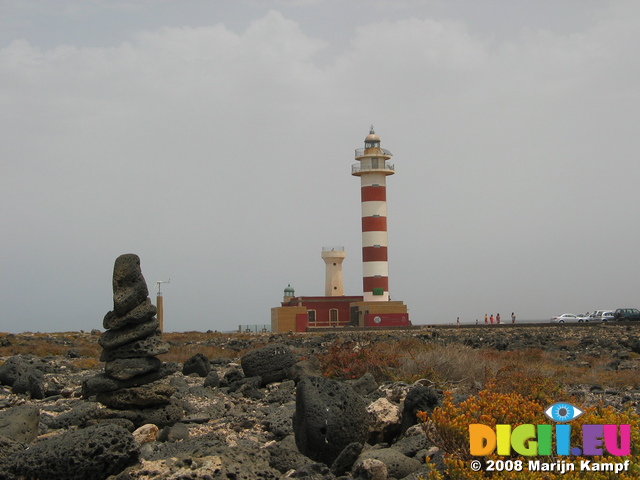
(607, 316)
(626, 314)
(567, 318)
(601, 315)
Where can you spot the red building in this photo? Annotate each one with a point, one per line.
(297, 314)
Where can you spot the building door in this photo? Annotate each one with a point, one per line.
(333, 317)
(353, 320)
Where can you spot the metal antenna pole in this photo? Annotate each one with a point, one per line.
(159, 304)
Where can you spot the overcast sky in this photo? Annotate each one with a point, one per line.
(215, 140)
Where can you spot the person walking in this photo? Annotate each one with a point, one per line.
(486, 319)
(498, 318)
(513, 317)
(491, 319)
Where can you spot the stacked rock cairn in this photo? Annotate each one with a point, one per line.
(130, 386)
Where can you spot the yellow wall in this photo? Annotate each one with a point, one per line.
(283, 319)
(378, 308)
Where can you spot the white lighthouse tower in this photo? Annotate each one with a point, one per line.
(333, 258)
(373, 168)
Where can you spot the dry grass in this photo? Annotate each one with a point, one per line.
(45, 344)
(416, 359)
(442, 363)
(213, 345)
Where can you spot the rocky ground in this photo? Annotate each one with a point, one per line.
(264, 411)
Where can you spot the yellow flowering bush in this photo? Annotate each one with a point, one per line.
(448, 428)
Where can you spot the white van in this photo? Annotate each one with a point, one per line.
(601, 316)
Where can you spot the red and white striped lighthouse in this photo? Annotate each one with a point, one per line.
(373, 168)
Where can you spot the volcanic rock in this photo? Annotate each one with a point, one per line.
(346, 459)
(105, 383)
(92, 453)
(115, 338)
(285, 459)
(127, 368)
(420, 398)
(139, 314)
(143, 396)
(129, 286)
(160, 415)
(174, 433)
(30, 382)
(198, 364)
(212, 379)
(270, 363)
(23, 377)
(146, 347)
(20, 424)
(398, 465)
(329, 416)
(11, 369)
(130, 346)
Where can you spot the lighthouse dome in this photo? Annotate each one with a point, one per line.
(289, 291)
(372, 137)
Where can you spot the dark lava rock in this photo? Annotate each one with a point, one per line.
(23, 376)
(92, 453)
(329, 416)
(231, 376)
(126, 368)
(30, 382)
(283, 392)
(313, 471)
(146, 347)
(249, 461)
(136, 397)
(365, 384)
(198, 364)
(79, 414)
(346, 459)
(412, 442)
(174, 433)
(419, 398)
(398, 465)
(122, 422)
(279, 420)
(140, 314)
(245, 385)
(305, 368)
(115, 338)
(212, 380)
(270, 363)
(129, 286)
(103, 383)
(284, 459)
(161, 415)
(20, 424)
(13, 368)
(8, 448)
